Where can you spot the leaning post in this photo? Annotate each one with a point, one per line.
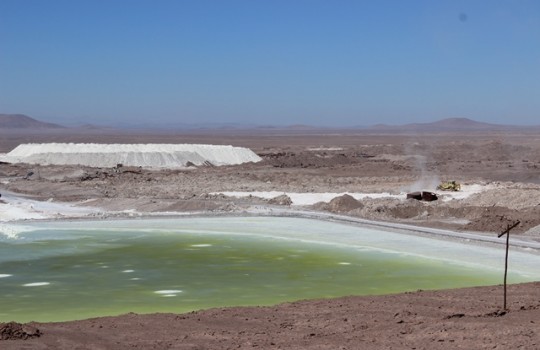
(507, 233)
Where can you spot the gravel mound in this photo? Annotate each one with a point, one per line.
(281, 200)
(17, 331)
(343, 204)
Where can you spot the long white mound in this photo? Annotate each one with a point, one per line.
(145, 155)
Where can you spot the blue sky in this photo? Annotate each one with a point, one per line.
(270, 62)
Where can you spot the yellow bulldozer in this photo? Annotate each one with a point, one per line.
(449, 186)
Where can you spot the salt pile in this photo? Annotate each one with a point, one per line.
(145, 155)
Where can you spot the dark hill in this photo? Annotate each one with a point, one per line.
(457, 124)
(450, 124)
(21, 121)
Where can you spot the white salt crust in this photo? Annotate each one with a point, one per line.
(145, 155)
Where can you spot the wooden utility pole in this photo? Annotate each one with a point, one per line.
(507, 233)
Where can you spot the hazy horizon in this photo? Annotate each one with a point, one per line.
(318, 63)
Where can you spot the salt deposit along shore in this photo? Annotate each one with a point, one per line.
(14, 207)
(310, 198)
(17, 209)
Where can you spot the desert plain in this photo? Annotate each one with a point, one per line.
(307, 170)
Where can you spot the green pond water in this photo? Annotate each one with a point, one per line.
(81, 270)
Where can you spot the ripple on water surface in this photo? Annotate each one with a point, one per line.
(36, 284)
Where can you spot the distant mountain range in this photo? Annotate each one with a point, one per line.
(21, 121)
(449, 124)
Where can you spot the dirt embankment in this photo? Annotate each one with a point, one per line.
(450, 319)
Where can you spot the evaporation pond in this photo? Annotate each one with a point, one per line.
(72, 270)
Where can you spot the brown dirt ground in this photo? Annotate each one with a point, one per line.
(315, 163)
(449, 319)
(462, 319)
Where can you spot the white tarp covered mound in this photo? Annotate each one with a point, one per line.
(145, 155)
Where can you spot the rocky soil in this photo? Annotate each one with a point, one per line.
(507, 165)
